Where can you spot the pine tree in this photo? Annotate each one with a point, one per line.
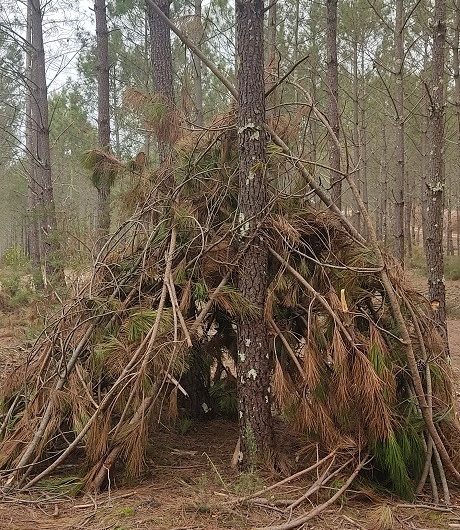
(333, 96)
(41, 146)
(103, 115)
(435, 182)
(161, 57)
(254, 396)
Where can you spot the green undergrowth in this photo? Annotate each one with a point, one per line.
(17, 280)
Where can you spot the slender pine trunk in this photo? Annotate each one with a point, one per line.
(435, 182)
(198, 67)
(103, 117)
(333, 99)
(400, 134)
(162, 70)
(254, 370)
(32, 227)
(49, 240)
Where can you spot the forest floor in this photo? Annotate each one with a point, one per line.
(190, 484)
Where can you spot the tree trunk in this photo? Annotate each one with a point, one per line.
(408, 214)
(399, 119)
(363, 138)
(42, 154)
(384, 184)
(457, 227)
(450, 238)
(161, 57)
(333, 96)
(254, 392)
(198, 68)
(147, 78)
(456, 72)
(434, 186)
(32, 229)
(296, 43)
(413, 223)
(356, 135)
(271, 49)
(103, 116)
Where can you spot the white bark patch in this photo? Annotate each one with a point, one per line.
(244, 228)
(242, 380)
(247, 342)
(255, 134)
(250, 177)
(240, 456)
(266, 399)
(241, 356)
(252, 373)
(249, 125)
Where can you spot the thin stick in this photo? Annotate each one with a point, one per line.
(173, 296)
(285, 480)
(299, 521)
(288, 348)
(442, 475)
(149, 339)
(426, 467)
(426, 507)
(322, 481)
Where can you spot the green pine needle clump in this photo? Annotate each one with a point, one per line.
(390, 459)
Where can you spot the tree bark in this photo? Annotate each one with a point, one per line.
(363, 140)
(198, 68)
(384, 184)
(408, 206)
(253, 367)
(456, 74)
(333, 97)
(450, 238)
(161, 57)
(32, 229)
(103, 116)
(42, 154)
(435, 182)
(356, 135)
(457, 227)
(400, 138)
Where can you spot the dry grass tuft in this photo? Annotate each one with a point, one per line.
(381, 518)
